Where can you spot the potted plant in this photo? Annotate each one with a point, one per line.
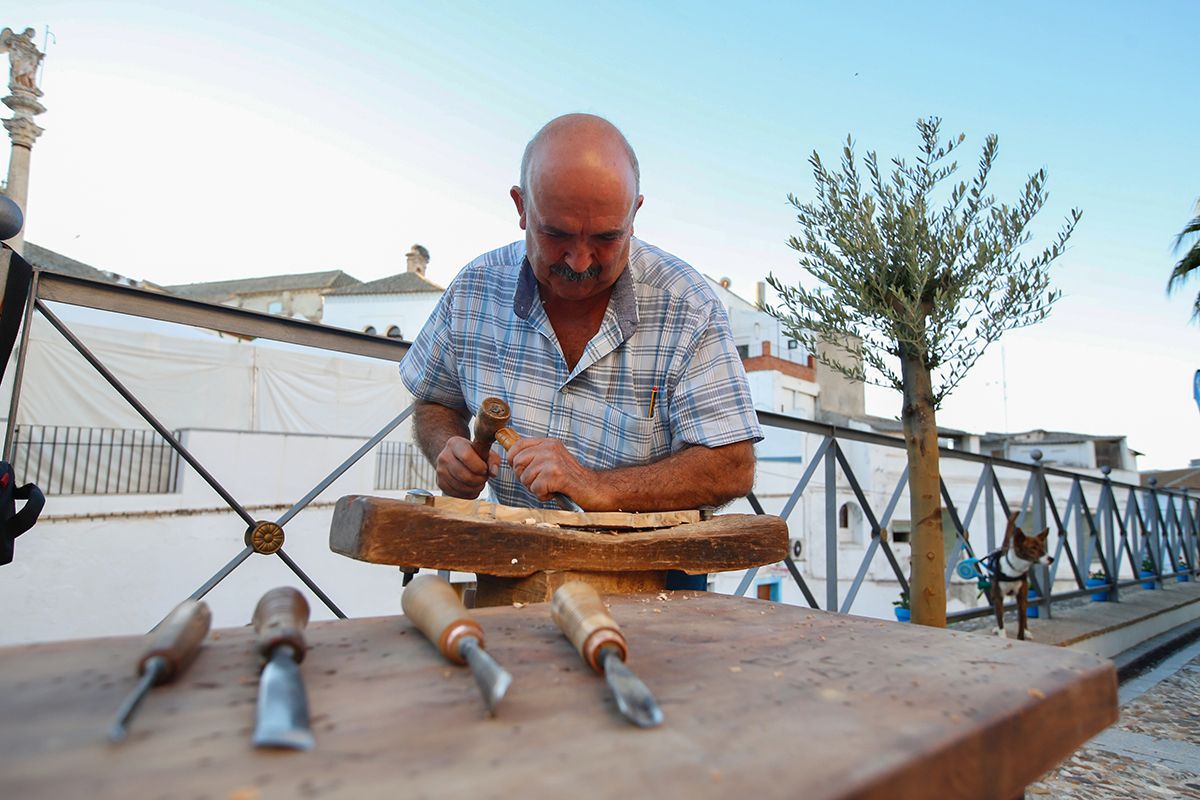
(901, 608)
(1185, 576)
(1098, 578)
(1147, 572)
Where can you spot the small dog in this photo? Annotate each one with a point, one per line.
(1009, 567)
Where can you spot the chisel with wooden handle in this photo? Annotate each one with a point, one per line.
(171, 647)
(431, 603)
(282, 717)
(580, 614)
(491, 424)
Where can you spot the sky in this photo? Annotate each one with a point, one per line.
(192, 142)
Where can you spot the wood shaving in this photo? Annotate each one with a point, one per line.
(248, 793)
(518, 605)
(1037, 694)
(735, 669)
(514, 561)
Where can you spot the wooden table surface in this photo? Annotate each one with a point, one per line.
(760, 700)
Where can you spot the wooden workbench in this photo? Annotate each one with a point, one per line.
(760, 699)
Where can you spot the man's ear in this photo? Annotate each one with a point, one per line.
(519, 201)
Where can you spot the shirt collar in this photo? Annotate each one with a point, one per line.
(623, 300)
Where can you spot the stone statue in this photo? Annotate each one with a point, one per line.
(23, 59)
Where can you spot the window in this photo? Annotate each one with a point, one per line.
(393, 332)
(849, 523)
(743, 350)
(768, 590)
(275, 307)
(369, 330)
(900, 530)
(793, 344)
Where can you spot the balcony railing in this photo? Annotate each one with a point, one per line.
(1094, 520)
(64, 459)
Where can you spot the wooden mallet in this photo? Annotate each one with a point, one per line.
(491, 425)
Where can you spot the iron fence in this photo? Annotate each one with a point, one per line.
(401, 465)
(1132, 534)
(65, 459)
(1115, 525)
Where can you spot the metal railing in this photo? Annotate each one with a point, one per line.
(401, 465)
(65, 459)
(1115, 524)
(1132, 533)
(261, 536)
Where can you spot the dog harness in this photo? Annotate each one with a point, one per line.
(994, 567)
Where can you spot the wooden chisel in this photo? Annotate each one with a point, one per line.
(580, 614)
(171, 647)
(431, 603)
(491, 424)
(282, 716)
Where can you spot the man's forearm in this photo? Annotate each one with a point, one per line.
(695, 476)
(434, 424)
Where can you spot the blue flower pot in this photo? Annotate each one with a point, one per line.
(1032, 611)
(902, 614)
(1098, 597)
(1182, 578)
(1146, 574)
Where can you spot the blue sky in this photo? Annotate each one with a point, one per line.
(239, 139)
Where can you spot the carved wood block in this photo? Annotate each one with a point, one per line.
(389, 531)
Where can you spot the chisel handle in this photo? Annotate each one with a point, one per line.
(280, 618)
(493, 415)
(176, 640)
(431, 603)
(579, 613)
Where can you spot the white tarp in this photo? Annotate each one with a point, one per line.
(190, 378)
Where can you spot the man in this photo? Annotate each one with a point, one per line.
(615, 357)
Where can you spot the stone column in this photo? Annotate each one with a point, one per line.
(24, 58)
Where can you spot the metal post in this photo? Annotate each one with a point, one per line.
(1110, 540)
(831, 543)
(1039, 522)
(1155, 535)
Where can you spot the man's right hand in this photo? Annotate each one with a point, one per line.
(460, 470)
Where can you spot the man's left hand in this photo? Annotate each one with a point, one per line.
(545, 467)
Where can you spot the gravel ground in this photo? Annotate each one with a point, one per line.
(1153, 751)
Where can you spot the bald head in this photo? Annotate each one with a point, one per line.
(579, 139)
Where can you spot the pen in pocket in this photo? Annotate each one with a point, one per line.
(653, 397)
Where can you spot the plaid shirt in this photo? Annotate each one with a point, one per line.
(664, 327)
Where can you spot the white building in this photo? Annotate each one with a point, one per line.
(396, 306)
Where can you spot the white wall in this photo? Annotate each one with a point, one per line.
(116, 564)
(355, 312)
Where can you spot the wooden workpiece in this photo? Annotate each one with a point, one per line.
(525, 556)
(760, 700)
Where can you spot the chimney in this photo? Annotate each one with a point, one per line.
(760, 295)
(418, 259)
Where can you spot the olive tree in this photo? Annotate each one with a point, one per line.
(917, 274)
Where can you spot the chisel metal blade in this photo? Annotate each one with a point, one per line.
(282, 705)
(634, 699)
(493, 679)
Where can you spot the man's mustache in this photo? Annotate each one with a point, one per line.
(568, 274)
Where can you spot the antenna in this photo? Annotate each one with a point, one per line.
(47, 37)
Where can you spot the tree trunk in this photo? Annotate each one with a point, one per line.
(927, 588)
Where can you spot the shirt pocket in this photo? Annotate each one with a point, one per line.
(608, 437)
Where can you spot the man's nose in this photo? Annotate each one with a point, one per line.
(578, 257)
